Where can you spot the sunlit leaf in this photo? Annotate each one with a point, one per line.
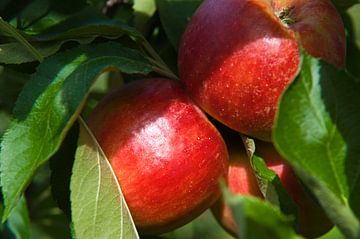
(48, 106)
(98, 207)
(318, 132)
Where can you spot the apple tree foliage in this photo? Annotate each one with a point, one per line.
(59, 57)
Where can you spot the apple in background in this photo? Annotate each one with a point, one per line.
(237, 57)
(240, 180)
(167, 156)
(312, 223)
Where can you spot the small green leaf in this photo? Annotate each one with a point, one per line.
(19, 221)
(269, 182)
(272, 188)
(256, 219)
(318, 132)
(175, 15)
(98, 207)
(48, 106)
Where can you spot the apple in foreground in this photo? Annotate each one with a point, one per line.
(237, 57)
(166, 155)
(312, 221)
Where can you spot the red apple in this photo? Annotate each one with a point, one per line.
(167, 156)
(312, 223)
(237, 56)
(241, 180)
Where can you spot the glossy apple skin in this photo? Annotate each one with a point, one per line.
(167, 156)
(236, 57)
(241, 180)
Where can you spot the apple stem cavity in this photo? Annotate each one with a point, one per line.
(286, 17)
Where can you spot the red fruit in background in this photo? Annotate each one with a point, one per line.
(167, 156)
(237, 56)
(241, 180)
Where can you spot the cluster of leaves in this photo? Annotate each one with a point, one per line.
(62, 56)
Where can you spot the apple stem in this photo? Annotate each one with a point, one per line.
(285, 16)
(165, 73)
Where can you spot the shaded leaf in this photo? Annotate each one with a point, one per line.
(4, 123)
(11, 84)
(16, 53)
(98, 207)
(48, 106)
(19, 221)
(318, 132)
(82, 28)
(47, 220)
(61, 165)
(87, 23)
(175, 15)
(9, 30)
(352, 24)
(204, 226)
(32, 12)
(342, 5)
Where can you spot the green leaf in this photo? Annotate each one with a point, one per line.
(47, 220)
(32, 12)
(272, 188)
(269, 182)
(98, 207)
(318, 132)
(11, 31)
(16, 53)
(256, 219)
(342, 5)
(87, 23)
(175, 15)
(143, 11)
(204, 226)
(19, 221)
(82, 28)
(48, 106)
(4, 123)
(333, 234)
(352, 24)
